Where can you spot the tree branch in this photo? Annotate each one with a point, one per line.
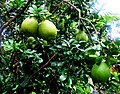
(87, 31)
(79, 11)
(10, 20)
(81, 19)
(47, 62)
(44, 65)
(40, 68)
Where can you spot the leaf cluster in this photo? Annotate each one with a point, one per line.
(64, 64)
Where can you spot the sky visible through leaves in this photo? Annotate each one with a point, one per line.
(109, 7)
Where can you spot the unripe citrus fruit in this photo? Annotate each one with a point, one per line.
(45, 43)
(47, 30)
(30, 39)
(81, 36)
(29, 26)
(100, 73)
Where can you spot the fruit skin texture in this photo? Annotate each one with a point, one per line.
(81, 36)
(100, 73)
(30, 26)
(47, 30)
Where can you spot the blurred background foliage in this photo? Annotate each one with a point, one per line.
(68, 61)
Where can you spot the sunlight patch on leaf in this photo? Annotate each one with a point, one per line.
(63, 77)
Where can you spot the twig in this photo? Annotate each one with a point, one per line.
(87, 31)
(47, 62)
(79, 11)
(89, 22)
(10, 20)
(40, 68)
(44, 65)
(81, 19)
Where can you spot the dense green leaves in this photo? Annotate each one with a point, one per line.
(62, 65)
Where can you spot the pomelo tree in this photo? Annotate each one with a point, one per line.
(31, 64)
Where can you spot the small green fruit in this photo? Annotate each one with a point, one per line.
(30, 26)
(47, 30)
(45, 43)
(100, 73)
(30, 39)
(81, 36)
(31, 42)
(33, 46)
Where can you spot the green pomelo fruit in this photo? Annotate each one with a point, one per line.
(47, 30)
(30, 26)
(81, 36)
(100, 73)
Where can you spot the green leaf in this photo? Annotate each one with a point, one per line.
(94, 56)
(25, 82)
(111, 61)
(63, 77)
(99, 59)
(15, 87)
(32, 93)
(115, 74)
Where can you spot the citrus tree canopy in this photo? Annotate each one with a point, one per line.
(56, 47)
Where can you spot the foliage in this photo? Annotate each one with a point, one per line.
(64, 64)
